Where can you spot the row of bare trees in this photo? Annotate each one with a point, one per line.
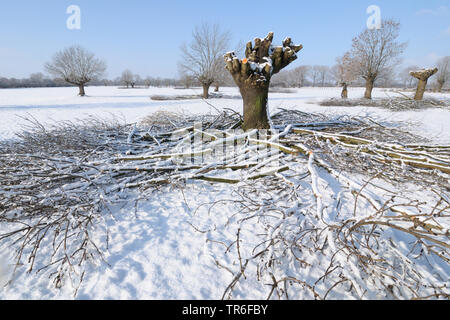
(374, 55)
(305, 75)
(372, 58)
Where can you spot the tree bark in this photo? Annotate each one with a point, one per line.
(253, 74)
(82, 92)
(422, 76)
(344, 94)
(216, 89)
(421, 86)
(255, 107)
(206, 90)
(369, 87)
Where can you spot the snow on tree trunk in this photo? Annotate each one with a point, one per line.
(422, 76)
(253, 74)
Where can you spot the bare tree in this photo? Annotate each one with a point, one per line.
(127, 78)
(36, 77)
(223, 78)
(187, 81)
(76, 66)
(344, 72)
(443, 74)
(318, 74)
(322, 72)
(202, 58)
(386, 78)
(299, 75)
(376, 50)
(253, 74)
(137, 80)
(147, 82)
(314, 75)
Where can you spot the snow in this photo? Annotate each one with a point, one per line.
(155, 248)
(47, 104)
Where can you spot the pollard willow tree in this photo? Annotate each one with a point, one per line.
(376, 51)
(253, 74)
(76, 66)
(422, 76)
(344, 72)
(127, 78)
(202, 58)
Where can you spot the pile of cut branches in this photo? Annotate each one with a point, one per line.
(403, 103)
(345, 206)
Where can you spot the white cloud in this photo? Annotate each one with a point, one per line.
(441, 11)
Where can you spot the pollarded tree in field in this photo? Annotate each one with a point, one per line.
(443, 74)
(422, 76)
(253, 74)
(127, 78)
(344, 72)
(375, 51)
(202, 58)
(76, 66)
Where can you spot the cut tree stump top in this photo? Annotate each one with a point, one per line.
(423, 74)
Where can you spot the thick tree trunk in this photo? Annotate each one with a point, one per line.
(369, 88)
(253, 74)
(216, 89)
(82, 92)
(255, 107)
(421, 86)
(422, 76)
(206, 90)
(344, 94)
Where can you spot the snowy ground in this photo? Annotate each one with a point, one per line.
(133, 104)
(154, 251)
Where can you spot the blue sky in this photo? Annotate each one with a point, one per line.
(145, 35)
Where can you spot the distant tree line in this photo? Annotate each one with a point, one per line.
(203, 66)
(35, 80)
(295, 78)
(303, 76)
(39, 80)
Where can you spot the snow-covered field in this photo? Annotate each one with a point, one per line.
(154, 250)
(54, 104)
